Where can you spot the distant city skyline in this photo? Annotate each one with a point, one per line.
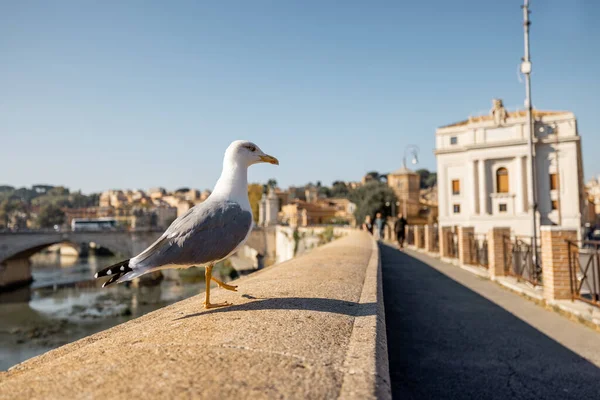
(135, 95)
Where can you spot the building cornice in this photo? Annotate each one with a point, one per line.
(520, 142)
(488, 123)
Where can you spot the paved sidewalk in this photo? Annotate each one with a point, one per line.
(452, 335)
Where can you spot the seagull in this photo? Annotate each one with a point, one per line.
(207, 233)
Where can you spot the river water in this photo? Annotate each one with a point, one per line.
(64, 304)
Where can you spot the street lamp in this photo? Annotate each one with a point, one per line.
(526, 70)
(414, 151)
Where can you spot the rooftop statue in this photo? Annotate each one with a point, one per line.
(498, 112)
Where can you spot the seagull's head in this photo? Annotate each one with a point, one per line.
(247, 153)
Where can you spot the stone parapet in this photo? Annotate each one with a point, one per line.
(312, 327)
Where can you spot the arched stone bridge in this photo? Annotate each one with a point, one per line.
(17, 247)
(126, 243)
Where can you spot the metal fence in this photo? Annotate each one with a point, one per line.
(421, 234)
(452, 243)
(478, 250)
(410, 235)
(520, 260)
(584, 271)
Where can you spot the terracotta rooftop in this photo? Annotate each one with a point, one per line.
(511, 114)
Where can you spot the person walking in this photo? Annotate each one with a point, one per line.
(368, 225)
(400, 229)
(380, 225)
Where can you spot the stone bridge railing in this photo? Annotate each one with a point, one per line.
(311, 327)
(16, 248)
(126, 243)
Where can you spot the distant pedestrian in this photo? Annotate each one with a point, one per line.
(380, 226)
(400, 229)
(368, 225)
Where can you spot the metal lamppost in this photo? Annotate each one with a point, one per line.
(413, 150)
(526, 70)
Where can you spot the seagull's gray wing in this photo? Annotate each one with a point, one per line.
(207, 232)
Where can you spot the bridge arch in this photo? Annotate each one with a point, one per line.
(124, 243)
(30, 251)
(24, 244)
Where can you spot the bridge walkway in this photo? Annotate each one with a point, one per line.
(453, 335)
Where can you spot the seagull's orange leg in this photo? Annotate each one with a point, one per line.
(208, 277)
(224, 285)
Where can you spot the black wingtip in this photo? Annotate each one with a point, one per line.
(115, 271)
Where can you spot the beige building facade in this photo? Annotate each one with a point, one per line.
(484, 172)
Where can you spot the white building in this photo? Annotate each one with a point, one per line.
(483, 171)
(268, 209)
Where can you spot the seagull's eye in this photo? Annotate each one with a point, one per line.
(251, 148)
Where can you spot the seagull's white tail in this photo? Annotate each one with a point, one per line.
(115, 271)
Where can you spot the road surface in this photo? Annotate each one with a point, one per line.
(452, 335)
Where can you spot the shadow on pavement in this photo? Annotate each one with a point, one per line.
(298, 303)
(447, 342)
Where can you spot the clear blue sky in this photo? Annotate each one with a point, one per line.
(134, 94)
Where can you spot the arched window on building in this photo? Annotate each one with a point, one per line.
(502, 180)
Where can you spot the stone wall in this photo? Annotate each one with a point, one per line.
(310, 328)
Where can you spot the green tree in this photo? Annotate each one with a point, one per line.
(272, 183)
(8, 207)
(371, 199)
(79, 200)
(428, 179)
(24, 194)
(423, 175)
(324, 191)
(58, 191)
(373, 176)
(93, 199)
(50, 215)
(339, 189)
(431, 180)
(41, 188)
(56, 200)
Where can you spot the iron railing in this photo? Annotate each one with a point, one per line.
(584, 271)
(452, 243)
(519, 260)
(436, 239)
(478, 250)
(421, 237)
(410, 235)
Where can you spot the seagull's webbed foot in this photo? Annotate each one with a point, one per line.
(216, 305)
(224, 285)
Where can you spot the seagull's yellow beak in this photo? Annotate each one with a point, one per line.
(269, 159)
